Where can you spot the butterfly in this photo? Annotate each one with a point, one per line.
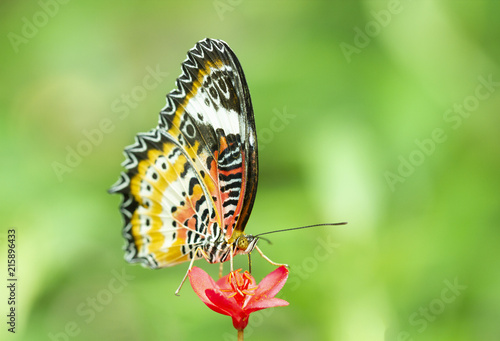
(190, 183)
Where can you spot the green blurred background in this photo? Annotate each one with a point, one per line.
(361, 84)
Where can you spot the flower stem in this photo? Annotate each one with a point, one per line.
(240, 335)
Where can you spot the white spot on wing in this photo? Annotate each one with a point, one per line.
(228, 120)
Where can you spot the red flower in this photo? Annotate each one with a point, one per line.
(237, 295)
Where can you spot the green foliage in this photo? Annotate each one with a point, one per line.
(393, 127)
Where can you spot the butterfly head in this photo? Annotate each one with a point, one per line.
(246, 243)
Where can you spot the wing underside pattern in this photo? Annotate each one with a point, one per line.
(192, 180)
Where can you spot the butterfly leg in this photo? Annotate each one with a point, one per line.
(231, 260)
(221, 266)
(189, 268)
(249, 263)
(270, 261)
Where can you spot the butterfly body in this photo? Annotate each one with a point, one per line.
(190, 183)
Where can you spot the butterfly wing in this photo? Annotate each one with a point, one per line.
(192, 180)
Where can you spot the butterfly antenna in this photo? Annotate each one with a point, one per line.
(267, 240)
(302, 227)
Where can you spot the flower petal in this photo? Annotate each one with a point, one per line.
(268, 287)
(239, 316)
(273, 282)
(223, 283)
(228, 306)
(201, 281)
(265, 303)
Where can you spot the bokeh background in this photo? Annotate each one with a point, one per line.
(389, 120)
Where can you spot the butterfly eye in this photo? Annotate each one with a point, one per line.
(242, 243)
